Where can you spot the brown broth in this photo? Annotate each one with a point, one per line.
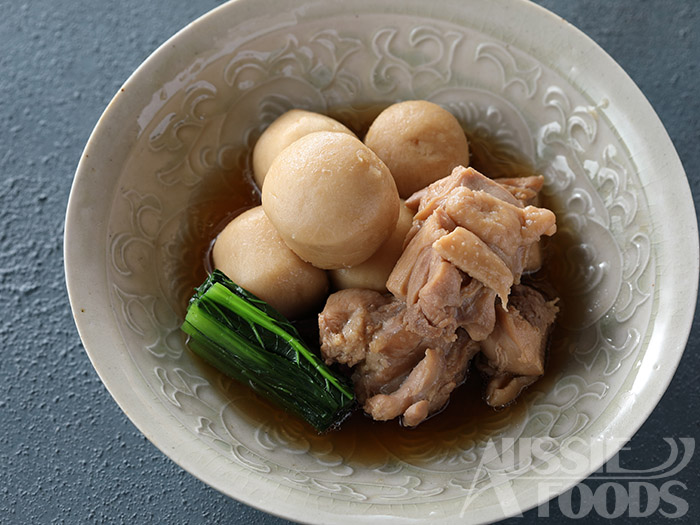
(212, 207)
(496, 161)
(465, 420)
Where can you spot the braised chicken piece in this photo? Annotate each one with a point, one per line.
(513, 355)
(524, 189)
(367, 330)
(429, 385)
(398, 369)
(502, 388)
(428, 284)
(454, 292)
(507, 229)
(427, 200)
(466, 228)
(468, 253)
(527, 191)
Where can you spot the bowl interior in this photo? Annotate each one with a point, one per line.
(168, 164)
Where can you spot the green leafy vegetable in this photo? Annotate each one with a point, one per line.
(247, 339)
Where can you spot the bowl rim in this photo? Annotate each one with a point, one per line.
(84, 286)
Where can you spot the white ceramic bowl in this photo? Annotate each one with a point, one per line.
(164, 161)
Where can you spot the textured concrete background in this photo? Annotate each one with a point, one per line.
(67, 452)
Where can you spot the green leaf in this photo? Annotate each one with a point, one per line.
(247, 339)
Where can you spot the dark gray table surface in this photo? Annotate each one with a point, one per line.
(67, 452)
